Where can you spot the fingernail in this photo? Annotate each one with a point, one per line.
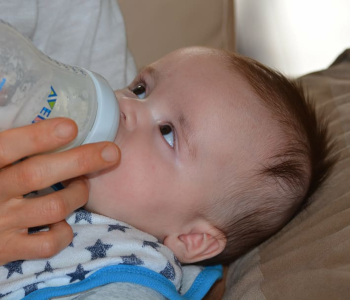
(64, 130)
(110, 153)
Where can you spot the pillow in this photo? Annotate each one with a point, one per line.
(157, 27)
(310, 257)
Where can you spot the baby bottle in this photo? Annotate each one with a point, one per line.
(34, 87)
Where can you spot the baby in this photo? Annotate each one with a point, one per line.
(218, 153)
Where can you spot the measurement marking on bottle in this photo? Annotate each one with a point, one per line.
(2, 83)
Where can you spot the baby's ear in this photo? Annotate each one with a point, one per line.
(196, 246)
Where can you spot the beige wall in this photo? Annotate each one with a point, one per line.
(157, 27)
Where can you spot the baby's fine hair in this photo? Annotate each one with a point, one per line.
(282, 186)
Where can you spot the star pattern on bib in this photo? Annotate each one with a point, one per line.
(79, 274)
(14, 266)
(82, 214)
(99, 250)
(77, 264)
(47, 269)
(3, 295)
(154, 245)
(168, 271)
(71, 243)
(131, 260)
(117, 227)
(31, 288)
(177, 262)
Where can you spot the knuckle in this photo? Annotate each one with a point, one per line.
(38, 138)
(83, 163)
(29, 175)
(57, 238)
(48, 247)
(56, 207)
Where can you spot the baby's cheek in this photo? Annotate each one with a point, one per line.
(100, 194)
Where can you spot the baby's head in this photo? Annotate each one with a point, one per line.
(218, 153)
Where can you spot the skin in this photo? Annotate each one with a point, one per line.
(159, 188)
(18, 214)
(219, 127)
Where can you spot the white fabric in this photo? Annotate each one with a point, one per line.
(98, 242)
(86, 33)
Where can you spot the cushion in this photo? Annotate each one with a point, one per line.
(157, 27)
(310, 257)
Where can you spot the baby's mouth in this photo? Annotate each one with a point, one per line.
(122, 117)
(118, 137)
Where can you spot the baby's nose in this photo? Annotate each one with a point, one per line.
(128, 115)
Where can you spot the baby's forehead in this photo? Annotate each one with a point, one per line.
(229, 120)
(243, 138)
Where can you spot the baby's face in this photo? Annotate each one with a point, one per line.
(184, 122)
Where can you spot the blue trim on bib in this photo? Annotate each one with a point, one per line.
(203, 282)
(137, 275)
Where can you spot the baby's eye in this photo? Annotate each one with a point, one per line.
(139, 91)
(168, 134)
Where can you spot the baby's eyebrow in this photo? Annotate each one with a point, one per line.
(187, 133)
(151, 71)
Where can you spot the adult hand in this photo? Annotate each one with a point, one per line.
(17, 214)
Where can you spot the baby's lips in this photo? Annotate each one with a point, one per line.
(122, 117)
(120, 128)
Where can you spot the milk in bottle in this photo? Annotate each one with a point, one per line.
(34, 87)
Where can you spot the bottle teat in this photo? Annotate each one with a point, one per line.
(106, 122)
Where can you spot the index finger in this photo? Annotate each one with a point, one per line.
(39, 172)
(35, 138)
